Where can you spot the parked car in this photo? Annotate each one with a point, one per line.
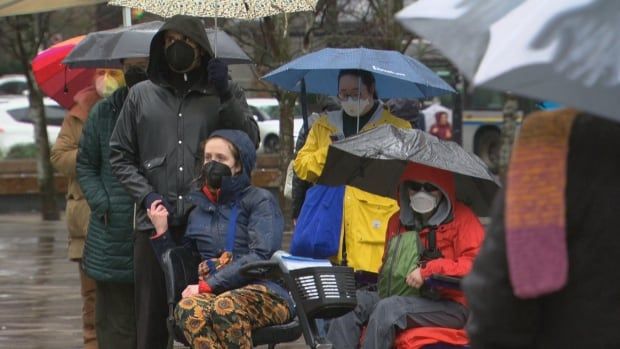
(13, 84)
(267, 114)
(16, 127)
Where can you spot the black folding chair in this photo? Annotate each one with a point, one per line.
(180, 270)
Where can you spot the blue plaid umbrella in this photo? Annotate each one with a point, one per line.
(396, 75)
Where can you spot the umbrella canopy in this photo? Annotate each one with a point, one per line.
(396, 75)
(56, 80)
(242, 9)
(23, 7)
(374, 161)
(105, 49)
(459, 29)
(563, 51)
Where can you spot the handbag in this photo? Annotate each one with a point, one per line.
(317, 232)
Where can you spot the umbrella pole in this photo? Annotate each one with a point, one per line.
(304, 106)
(217, 12)
(126, 17)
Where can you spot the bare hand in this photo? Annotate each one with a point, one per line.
(190, 290)
(158, 214)
(415, 279)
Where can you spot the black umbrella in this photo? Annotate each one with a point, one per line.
(374, 161)
(105, 49)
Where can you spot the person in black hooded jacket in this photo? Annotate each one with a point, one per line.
(154, 147)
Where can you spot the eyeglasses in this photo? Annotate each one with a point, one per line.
(427, 187)
(345, 96)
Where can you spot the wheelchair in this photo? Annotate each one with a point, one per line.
(318, 293)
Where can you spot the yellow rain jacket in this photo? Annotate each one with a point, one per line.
(365, 215)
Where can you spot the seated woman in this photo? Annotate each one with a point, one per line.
(428, 205)
(233, 223)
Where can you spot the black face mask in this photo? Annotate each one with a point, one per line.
(134, 75)
(214, 172)
(180, 56)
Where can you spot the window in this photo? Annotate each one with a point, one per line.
(54, 115)
(483, 99)
(13, 88)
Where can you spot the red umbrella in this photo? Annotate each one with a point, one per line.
(55, 79)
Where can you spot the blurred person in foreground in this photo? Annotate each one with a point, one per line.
(108, 251)
(63, 157)
(154, 148)
(547, 275)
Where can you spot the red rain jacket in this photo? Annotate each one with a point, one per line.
(459, 238)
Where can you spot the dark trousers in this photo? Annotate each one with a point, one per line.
(150, 293)
(115, 315)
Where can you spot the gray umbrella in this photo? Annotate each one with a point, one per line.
(105, 49)
(561, 51)
(459, 29)
(374, 161)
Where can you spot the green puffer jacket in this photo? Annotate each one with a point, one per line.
(108, 253)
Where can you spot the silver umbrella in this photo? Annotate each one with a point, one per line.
(375, 160)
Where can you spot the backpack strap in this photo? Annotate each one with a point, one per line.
(431, 251)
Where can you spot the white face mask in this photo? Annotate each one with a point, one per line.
(354, 107)
(423, 202)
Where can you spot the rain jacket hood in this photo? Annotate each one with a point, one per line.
(247, 153)
(158, 70)
(443, 180)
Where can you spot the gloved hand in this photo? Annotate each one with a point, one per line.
(152, 196)
(218, 76)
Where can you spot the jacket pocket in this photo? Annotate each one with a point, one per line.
(367, 215)
(152, 164)
(155, 172)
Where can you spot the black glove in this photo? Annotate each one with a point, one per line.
(152, 196)
(218, 76)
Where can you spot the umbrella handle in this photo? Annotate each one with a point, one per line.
(215, 44)
(304, 107)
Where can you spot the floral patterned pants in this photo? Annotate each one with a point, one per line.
(226, 320)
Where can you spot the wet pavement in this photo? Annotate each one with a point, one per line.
(40, 303)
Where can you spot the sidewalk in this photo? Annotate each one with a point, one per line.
(39, 288)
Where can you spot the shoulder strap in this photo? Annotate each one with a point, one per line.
(432, 252)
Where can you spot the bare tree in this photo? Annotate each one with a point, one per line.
(23, 36)
(271, 42)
